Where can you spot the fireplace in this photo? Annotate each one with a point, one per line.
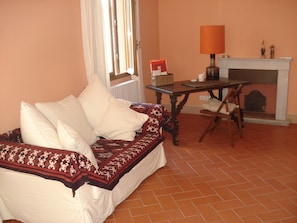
(265, 101)
(258, 99)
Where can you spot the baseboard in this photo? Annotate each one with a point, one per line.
(195, 109)
(292, 118)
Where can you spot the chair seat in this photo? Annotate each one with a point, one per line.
(213, 105)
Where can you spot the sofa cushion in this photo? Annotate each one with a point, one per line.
(120, 122)
(109, 117)
(123, 103)
(94, 100)
(71, 140)
(36, 129)
(69, 111)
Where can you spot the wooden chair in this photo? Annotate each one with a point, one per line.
(228, 108)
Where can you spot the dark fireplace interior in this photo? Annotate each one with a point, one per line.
(258, 100)
(255, 101)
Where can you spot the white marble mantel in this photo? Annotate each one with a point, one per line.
(282, 65)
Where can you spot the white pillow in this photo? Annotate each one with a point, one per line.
(69, 111)
(120, 123)
(73, 141)
(94, 100)
(36, 129)
(122, 102)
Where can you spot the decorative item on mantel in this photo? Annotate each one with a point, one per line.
(212, 41)
(263, 50)
(272, 50)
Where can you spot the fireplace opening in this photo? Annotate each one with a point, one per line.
(258, 99)
(255, 101)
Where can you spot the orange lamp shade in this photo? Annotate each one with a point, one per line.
(212, 39)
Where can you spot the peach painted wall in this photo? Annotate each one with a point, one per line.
(247, 23)
(149, 35)
(41, 56)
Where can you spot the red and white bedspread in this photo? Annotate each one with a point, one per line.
(115, 158)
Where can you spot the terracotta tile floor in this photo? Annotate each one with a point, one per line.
(255, 181)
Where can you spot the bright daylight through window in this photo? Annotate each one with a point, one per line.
(120, 37)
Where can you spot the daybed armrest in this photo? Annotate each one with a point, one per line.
(68, 167)
(158, 116)
(12, 136)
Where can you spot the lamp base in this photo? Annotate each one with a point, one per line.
(212, 73)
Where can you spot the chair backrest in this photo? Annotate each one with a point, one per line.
(234, 94)
(231, 100)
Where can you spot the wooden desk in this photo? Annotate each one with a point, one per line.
(185, 88)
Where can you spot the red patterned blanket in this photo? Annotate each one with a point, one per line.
(114, 157)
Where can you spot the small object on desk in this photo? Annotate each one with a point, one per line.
(162, 80)
(193, 80)
(201, 77)
(156, 73)
(159, 65)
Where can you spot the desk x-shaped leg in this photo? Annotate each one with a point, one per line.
(173, 127)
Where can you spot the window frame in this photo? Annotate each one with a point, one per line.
(114, 41)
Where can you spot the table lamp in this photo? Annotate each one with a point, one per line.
(212, 41)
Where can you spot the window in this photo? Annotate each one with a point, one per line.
(119, 31)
